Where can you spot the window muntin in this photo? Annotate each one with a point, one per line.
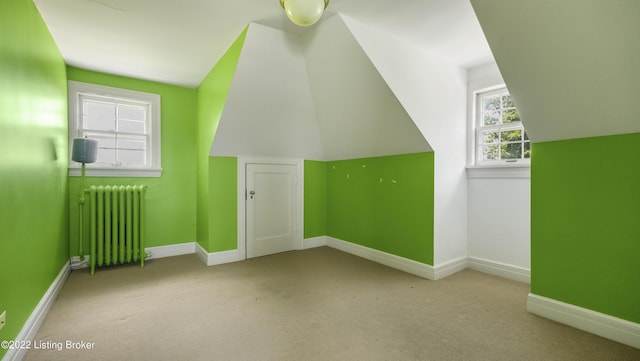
(121, 128)
(500, 135)
(126, 125)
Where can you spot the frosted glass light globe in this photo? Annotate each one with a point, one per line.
(304, 12)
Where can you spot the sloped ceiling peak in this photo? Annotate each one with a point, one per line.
(314, 95)
(269, 109)
(358, 114)
(572, 65)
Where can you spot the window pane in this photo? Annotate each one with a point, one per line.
(132, 112)
(97, 123)
(507, 102)
(131, 126)
(511, 151)
(491, 110)
(511, 136)
(527, 150)
(510, 115)
(98, 115)
(526, 136)
(490, 137)
(99, 109)
(490, 152)
(132, 157)
(106, 155)
(132, 144)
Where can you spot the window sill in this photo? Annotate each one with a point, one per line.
(505, 171)
(116, 172)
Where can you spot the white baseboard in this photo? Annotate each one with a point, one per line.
(171, 250)
(315, 242)
(404, 264)
(153, 253)
(447, 269)
(31, 327)
(500, 269)
(610, 327)
(216, 258)
(421, 269)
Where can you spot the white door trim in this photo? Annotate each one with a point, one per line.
(242, 185)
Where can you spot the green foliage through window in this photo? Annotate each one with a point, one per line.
(501, 136)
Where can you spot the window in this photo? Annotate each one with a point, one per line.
(500, 137)
(126, 125)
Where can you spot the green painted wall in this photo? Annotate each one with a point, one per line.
(385, 203)
(315, 198)
(171, 198)
(585, 223)
(223, 203)
(34, 215)
(212, 95)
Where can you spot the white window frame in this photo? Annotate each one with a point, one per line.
(153, 168)
(475, 137)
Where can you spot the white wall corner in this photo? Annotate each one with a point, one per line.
(216, 258)
(601, 324)
(448, 268)
(315, 242)
(500, 269)
(31, 327)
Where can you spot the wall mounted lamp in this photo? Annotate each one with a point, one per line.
(304, 12)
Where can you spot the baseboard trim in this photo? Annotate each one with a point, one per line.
(447, 269)
(216, 258)
(171, 250)
(417, 268)
(35, 320)
(610, 327)
(421, 269)
(500, 269)
(400, 263)
(314, 242)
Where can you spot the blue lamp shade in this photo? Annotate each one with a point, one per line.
(85, 150)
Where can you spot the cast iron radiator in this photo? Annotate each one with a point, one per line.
(117, 219)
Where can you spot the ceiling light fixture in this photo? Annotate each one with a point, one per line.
(304, 12)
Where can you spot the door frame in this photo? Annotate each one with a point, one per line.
(242, 185)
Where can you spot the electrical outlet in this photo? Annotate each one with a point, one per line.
(3, 319)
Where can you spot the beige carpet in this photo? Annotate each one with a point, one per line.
(318, 304)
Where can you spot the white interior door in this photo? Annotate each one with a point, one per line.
(270, 209)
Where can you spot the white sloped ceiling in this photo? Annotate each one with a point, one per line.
(571, 65)
(314, 96)
(269, 109)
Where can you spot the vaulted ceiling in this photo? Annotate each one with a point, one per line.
(179, 41)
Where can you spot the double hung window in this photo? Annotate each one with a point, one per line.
(500, 137)
(126, 125)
